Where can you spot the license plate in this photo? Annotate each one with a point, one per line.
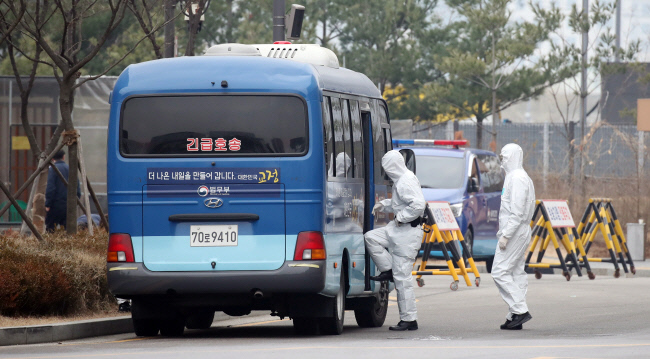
(214, 236)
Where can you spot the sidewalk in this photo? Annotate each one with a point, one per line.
(46, 333)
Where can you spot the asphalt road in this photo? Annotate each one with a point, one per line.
(604, 318)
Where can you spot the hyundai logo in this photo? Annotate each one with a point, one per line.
(213, 202)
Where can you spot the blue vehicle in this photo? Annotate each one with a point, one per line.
(244, 180)
(471, 180)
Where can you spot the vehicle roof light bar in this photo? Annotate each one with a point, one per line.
(415, 142)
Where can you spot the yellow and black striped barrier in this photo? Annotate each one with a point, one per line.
(446, 238)
(552, 223)
(601, 216)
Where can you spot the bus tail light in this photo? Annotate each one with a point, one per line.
(120, 248)
(309, 246)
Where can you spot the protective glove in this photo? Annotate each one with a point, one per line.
(377, 208)
(503, 241)
(397, 223)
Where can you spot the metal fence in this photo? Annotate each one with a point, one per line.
(607, 150)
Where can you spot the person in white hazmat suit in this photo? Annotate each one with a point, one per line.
(517, 206)
(395, 246)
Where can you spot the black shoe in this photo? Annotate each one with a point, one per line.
(403, 325)
(387, 275)
(504, 326)
(519, 319)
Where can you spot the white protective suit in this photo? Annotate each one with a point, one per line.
(396, 247)
(517, 206)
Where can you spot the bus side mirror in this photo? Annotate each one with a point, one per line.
(293, 21)
(409, 158)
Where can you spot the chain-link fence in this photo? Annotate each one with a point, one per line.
(607, 151)
(615, 160)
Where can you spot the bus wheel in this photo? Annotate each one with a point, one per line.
(172, 327)
(334, 325)
(145, 327)
(372, 313)
(200, 320)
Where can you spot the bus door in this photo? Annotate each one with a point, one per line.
(377, 141)
(369, 185)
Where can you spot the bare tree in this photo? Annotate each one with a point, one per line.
(69, 54)
(146, 14)
(567, 94)
(10, 17)
(194, 10)
(36, 202)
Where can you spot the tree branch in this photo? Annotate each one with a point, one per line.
(6, 32)
(117, 14)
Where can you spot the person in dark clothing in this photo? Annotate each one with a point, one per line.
(56, 197)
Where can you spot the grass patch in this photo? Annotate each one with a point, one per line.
(63, 276)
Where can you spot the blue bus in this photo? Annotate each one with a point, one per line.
(244, 180)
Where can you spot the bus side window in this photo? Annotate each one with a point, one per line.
(347, 138)
(328, 136)
(340, 162)
(357, 139)
(383, 118)
(377, 146)
(387, 144)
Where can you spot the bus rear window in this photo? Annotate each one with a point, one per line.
(223, 125)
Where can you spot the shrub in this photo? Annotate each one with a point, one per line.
(64, 275)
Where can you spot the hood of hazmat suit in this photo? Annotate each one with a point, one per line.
(517, 207)
(393, 164)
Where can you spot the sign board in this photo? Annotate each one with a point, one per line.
(558, 213)
(20, 143)
(643, 114)
(443, 216)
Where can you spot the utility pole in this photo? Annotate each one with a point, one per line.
(494, 95)
(170, 30)
(278, 20)
(583, 85)
(617, 57)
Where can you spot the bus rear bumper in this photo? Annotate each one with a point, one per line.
(127, 280)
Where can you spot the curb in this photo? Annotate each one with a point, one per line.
(34, 334)
(48, 333)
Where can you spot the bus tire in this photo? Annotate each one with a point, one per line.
(145, 327)
(200, 320)
(371, 312)
(173, 327)
(334, 325)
